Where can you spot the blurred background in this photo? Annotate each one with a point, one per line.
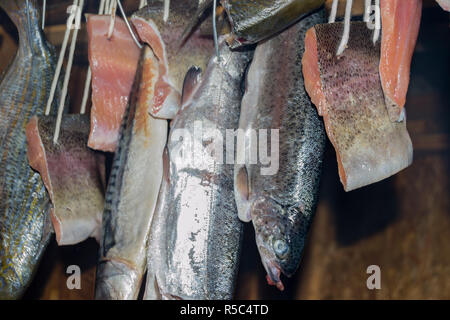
(401, 224)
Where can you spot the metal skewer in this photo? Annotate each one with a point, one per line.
(67, 75)
(216, 41)
(122, 12)
(44, 8)
(345, 36)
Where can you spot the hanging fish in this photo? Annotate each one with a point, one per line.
(132, 190)
(280, 198)
(196, 235)
(25, 227)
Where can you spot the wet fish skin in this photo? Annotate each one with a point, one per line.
(196, 235)
(281, 205)
(25, 227)
(132, 190)
(256, 20)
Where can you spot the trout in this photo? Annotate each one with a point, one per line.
(280, 203)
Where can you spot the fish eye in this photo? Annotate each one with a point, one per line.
(281, 248)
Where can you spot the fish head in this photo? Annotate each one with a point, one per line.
(279, 242)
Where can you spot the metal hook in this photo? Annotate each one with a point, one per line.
(122, 12)
(216, 41)
(44, 8)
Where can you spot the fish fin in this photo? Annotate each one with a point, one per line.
(191, 82)
(152, 290)
(242, 192)
(199, 16)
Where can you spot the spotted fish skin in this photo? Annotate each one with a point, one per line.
(281, 205)
(256, 20)
(25, 226)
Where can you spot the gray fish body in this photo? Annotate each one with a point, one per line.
(132, 191)
(196, 235)
(281, 205)
(25, 227)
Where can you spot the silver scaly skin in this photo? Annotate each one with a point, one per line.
(282, 205)
(196, 235)
(25, 227)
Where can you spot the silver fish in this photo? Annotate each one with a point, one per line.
(196, 235)
(25, 226)
(132, 190)
(281, 205)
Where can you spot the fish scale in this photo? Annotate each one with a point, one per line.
(24, 225)
(281, 204)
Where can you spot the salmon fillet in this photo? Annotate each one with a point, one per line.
(73, 174)
(400, 26)
(347, 93)
(113, 63)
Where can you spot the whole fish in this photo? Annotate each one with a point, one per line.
(175, 58)
(347, 92)
(196, 235)
(255, 20)
(132, 190)
(25, 226)
(281, 203)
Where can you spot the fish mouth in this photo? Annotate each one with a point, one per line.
(273, 275)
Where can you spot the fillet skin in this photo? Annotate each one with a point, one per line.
(73, 174)
(113, 63)
(347, 93)
(400, 23)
